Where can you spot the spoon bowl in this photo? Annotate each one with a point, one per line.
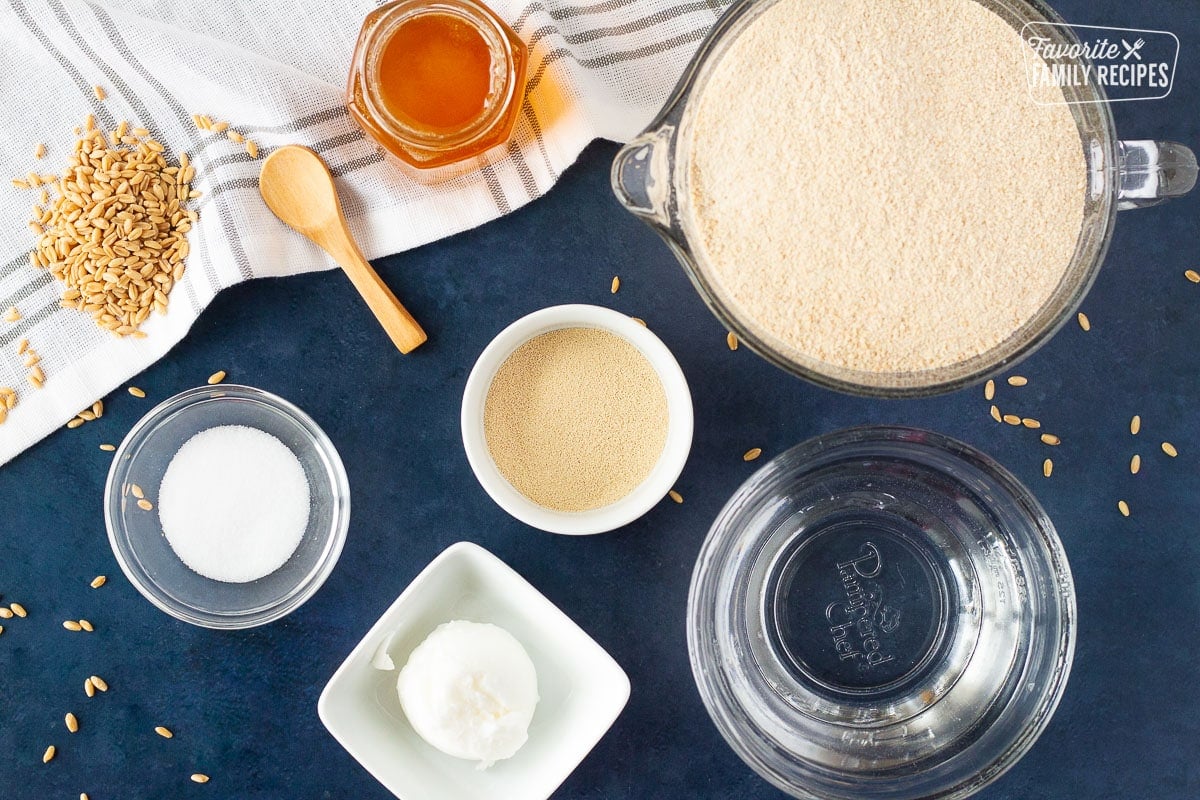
(297, 187)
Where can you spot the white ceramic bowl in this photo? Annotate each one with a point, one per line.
(651, 490)
(582, 689)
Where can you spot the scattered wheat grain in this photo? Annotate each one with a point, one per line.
(989, 390)
(72, 625)
(1123, 507)
(1084, 322)
(752, 453)
(164, 732)
(216, 377)
(1012, 419)
(251, 148)
(49, 754)
(108, 448)
(200, 777)
(1135, 424)
(1017, 380)
(87, 626)
(1135, 464)
(995, 412)
(731, 340)
(1031, 423)
(1047, 467)
(72, 722)
(1192, 275)
(98, 581)
(19, 610)
(1050, 439)
(136, 392)
(99, 683)
(145, 505)
(1169, 449)
(89, 688)
(676, 496)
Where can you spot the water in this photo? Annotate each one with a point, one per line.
(867, 602)
(855, 605)
(881, 613)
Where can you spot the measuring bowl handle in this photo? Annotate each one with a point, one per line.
(641, 176)
(1153, 172)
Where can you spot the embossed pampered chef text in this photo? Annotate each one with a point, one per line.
(856, 622)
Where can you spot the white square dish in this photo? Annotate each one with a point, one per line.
(582, 688)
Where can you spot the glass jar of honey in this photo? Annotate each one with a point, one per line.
(438, 84)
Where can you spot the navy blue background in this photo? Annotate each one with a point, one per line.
(243, 705)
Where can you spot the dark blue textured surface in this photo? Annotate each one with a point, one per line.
(243, 705)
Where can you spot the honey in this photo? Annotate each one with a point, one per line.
(435, 72)
(437, 84)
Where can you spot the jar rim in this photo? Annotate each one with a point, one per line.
(503, 68)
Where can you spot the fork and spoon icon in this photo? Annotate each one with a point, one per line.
(1132, 49)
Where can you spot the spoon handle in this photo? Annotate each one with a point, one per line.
(405, 332)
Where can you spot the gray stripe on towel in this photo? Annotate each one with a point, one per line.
(224, 212)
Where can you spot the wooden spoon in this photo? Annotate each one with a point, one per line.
(297, 186)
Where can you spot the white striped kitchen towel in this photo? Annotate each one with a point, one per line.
(275, 69)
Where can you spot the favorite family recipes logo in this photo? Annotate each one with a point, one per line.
(1127, 63)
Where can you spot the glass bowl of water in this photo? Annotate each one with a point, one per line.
(881, 612)
(146, 556)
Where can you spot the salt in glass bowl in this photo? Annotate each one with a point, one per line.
(136, 535)
(881, 614)
(647, 493)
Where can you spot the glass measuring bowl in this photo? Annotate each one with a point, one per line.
(881, 613)
(650, 177)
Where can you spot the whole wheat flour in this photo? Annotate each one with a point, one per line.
(872, 186)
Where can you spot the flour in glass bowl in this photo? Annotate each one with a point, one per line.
(871, 186)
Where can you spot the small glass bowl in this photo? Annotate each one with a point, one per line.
(146, 557)
(881, 613)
